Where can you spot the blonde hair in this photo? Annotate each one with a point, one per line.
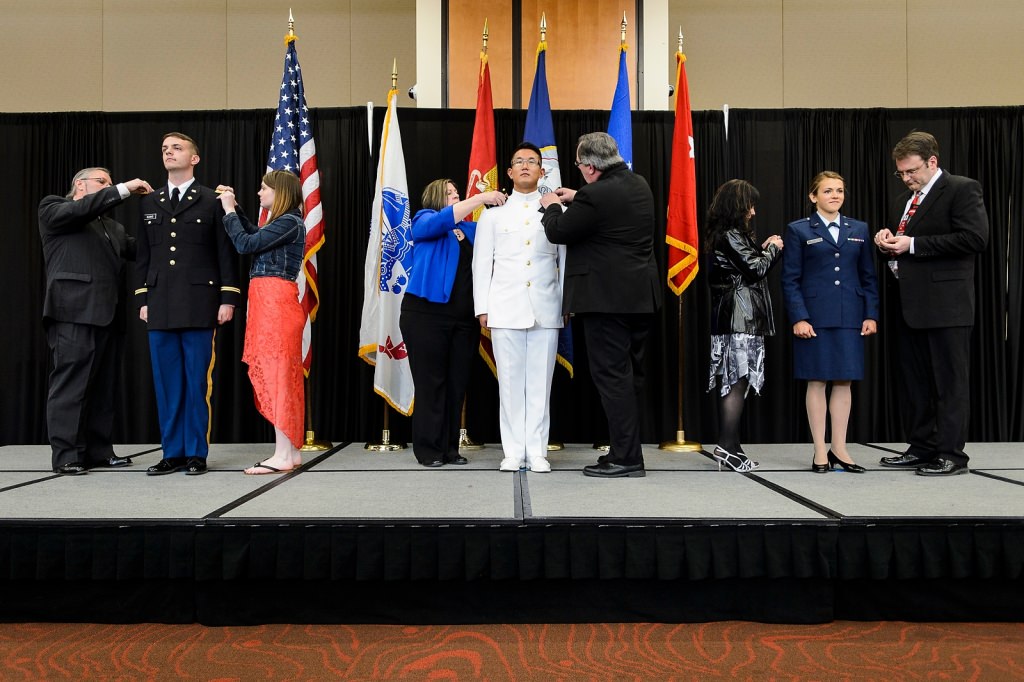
(435, 195)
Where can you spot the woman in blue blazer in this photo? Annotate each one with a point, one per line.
(831, 294)
(440, 330)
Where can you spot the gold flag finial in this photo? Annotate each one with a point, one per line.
(543, 27)
(394, 74)
(291, 28)
(622, 36)
(680, 47)
(485, 36)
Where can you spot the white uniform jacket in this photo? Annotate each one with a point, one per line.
(517, 272)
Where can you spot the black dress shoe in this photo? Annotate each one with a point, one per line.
(433, 464)
(166, 466)
(904, 461)
(111, 462)
(608, 469)
(72, 469)
(942, 467)
(459, 459)
(195, 466)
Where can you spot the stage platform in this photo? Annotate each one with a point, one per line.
(360, 536)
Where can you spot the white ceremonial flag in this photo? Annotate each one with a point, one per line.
(387, 270)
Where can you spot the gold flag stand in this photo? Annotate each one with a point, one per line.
(680, 444)
(385, 444)
(465, 442)
(311, 444)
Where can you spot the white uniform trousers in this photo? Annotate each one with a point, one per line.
(525, 360)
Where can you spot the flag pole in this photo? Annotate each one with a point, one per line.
(466, 441)
(680, 444)
(606, 447)
(310, 443)
(385, 444)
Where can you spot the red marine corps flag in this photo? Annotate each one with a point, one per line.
(483, 164)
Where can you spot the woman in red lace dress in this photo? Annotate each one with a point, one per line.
(273, 332)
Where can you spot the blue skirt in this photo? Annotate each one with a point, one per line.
(832, 355)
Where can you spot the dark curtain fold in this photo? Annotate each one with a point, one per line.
(777, 150)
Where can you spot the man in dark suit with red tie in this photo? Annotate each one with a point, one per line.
(83, 313)
(943, 226)
(611, 284)
(189, 286)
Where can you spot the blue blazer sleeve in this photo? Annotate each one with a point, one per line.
(792, 274)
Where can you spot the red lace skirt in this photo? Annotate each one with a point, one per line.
(273, 351)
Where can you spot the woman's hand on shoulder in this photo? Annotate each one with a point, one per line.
(494, 197)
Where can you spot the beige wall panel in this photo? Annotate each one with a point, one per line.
(465, 31)
(53, 55)
(583, 51)
(965, 53)
(845, 53)
(255, 51)
(733, 51)
(164, 57)
(382, 31)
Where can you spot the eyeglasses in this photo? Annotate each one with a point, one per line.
(907, 173)
(530, 162)
(580, 163)
(102, 181)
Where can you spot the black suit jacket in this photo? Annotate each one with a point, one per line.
(609, 229)
(83, 256)
(949, 228)
(186, 265)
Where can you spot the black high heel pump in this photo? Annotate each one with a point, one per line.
(847, 466)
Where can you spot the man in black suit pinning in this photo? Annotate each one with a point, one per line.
(611, 285)
(942, 226)
(83, 315)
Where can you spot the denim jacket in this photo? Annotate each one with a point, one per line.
(277, 246)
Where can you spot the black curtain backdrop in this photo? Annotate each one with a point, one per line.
(777, 150)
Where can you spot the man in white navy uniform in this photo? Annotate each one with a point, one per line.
(517, 294)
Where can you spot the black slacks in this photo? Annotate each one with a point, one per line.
(615, 348)
(935, 391)
(80, 399)
(441, 350)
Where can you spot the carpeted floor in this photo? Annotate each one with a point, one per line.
(729, 650)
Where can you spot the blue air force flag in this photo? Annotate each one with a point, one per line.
(387, 270)
(539, 130)
(620, 124)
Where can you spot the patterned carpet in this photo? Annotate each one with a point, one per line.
(730, 650)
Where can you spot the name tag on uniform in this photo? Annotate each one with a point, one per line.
(854, 239)
(149, 216)
(814, 241)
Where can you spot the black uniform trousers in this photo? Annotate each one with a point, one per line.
(615, 350)
(441, 350)
(80, 400)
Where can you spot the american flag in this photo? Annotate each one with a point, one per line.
(292, 149)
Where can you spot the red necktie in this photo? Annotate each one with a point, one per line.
(910, 214)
